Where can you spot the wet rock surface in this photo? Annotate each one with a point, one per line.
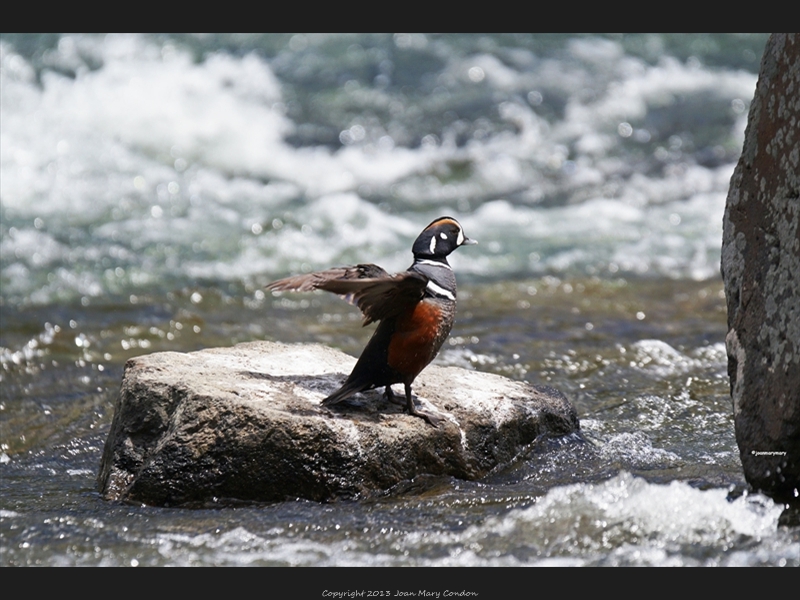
(245, 424)
(761, 270)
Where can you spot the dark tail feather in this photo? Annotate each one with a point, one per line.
(343, 393)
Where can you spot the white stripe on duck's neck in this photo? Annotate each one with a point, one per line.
(433, 263)
(437, 290)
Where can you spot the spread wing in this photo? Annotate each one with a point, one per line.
(376, 293)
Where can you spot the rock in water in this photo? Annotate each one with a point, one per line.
(245, 423)
(761, 270)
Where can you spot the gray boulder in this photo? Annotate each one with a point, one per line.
(245, 423)
(761, 271)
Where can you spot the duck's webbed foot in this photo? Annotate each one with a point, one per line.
(390, 396)
(434, 420)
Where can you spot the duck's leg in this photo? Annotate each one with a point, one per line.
(431, 419)
(391, 397)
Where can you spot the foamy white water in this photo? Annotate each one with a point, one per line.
(152, 166)
(624, 521)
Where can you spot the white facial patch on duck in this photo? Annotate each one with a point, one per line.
(460, 239)
(443, 235)
(438, 290)
(433, 245)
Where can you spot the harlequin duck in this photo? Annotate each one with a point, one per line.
(415, 310)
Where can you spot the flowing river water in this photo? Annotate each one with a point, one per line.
(152, 185)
